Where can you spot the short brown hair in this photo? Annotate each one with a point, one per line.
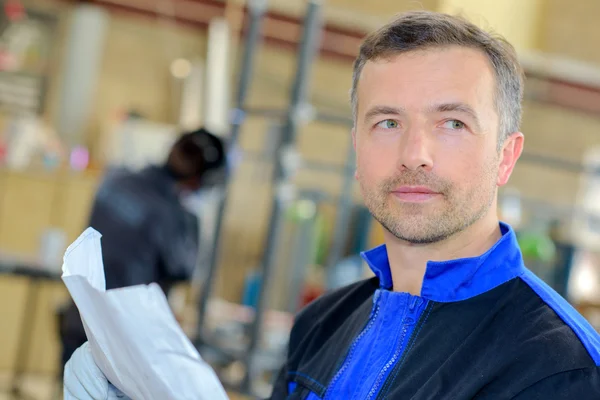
(419, 30)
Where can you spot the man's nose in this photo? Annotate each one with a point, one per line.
(415, 150)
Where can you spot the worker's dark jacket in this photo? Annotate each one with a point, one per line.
(483, 328)
(147, 236)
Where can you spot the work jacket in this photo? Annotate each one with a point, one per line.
(482, 328)
(147, 234)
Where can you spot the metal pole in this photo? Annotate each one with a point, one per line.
(344, 206)
(308, 51)
(303, 250)
(257, 10)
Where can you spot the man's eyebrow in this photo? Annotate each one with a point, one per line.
(458, 107)
(382, 110)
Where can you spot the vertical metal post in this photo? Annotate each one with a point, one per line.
(343, 212)
(303, 250)
(309, 46)
(257, 10)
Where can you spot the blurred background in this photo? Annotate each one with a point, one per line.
(87, 85)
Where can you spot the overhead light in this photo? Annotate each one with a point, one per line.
(181, 68)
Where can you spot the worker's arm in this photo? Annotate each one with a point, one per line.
(580, 384)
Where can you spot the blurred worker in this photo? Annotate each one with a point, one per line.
(452, 312)
(148, 235)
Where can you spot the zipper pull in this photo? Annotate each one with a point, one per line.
(413, 303)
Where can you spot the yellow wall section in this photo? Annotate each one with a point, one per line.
(517, 20)
(31, 202)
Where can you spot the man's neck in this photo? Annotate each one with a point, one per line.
(408, 261)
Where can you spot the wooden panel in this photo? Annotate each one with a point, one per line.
(45, 350)
(76, 197)
(570, 28)
(29, 203)
(382, 7)
(25, 210)
(12, 305)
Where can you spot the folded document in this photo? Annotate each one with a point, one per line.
(133, 335)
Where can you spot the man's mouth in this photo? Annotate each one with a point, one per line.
(415, 194)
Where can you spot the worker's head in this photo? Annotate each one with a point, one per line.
(197, 159)
(437, 105)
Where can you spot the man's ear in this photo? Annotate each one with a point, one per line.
(510, 153)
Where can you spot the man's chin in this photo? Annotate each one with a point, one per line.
(423, 211)
(418, 236)
(413, 226)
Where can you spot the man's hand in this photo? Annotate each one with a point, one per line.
(84, 381)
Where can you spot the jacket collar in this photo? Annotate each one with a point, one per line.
(460, 279)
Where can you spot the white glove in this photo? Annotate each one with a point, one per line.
(83, 380)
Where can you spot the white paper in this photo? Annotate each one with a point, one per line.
(133, 335)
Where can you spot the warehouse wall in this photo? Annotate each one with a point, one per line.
(135, 71)
(138, 53)
(356, 13)
(571, 29)
(31, 202)
(559, 133)
(568, 29)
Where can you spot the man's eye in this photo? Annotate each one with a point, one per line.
(454, 124)
(388, 124)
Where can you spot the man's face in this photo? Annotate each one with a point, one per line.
(426, 139)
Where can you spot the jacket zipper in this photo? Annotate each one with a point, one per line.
(407, 322)
(372, 318)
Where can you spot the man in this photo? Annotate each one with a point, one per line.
(452, 312)
(148, 235)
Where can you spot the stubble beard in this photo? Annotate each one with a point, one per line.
(426, 223)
